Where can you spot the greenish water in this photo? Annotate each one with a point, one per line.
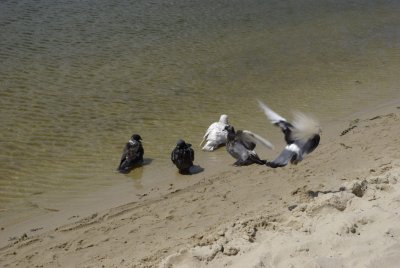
(77, 78)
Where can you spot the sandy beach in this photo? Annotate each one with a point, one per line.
(337, 208)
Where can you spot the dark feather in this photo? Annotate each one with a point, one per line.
(132, 155)
(183, 156)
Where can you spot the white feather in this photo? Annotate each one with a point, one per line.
(272, 116)
(305, 126)
(215, 134)
(258, 139)
(293, 147)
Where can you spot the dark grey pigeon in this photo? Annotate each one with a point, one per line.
(302, 137)
(183, 156)
(241, 144)
(132, 154)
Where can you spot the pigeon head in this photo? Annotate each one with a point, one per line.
(181, 144)
(136, 137)
(231, 132)
(224, 119)
(229, 128)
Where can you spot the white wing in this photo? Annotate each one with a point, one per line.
(210, 128)
(215, 132)
(204, 139)
(272, 116)
(305, 127)
(257, 139)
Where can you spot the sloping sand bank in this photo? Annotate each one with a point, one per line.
(338, 208)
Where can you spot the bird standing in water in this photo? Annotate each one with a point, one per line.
(183, 156)
(215, 135)
(302, 137)
(132, 154)
(241, 145)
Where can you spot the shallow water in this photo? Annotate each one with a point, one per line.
(78, 78)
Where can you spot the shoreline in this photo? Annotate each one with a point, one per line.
(131, 189)
(148, 229)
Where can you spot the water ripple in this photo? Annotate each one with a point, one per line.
(77, 78)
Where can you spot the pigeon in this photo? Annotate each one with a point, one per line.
(302, 136)
(132, 154)
(241, 144)
(183, 156)
(215, 135)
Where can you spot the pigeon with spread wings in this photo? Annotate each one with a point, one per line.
(241, 144)
(302, 136)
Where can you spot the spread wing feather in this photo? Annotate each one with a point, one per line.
(305, 127)
(272, 116)
(252, 137)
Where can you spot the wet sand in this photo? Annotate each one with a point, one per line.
(339, 207)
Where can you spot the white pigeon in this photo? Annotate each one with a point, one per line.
(216, 134)
(302, 137)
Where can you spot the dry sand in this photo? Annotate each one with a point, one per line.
(338, 208)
